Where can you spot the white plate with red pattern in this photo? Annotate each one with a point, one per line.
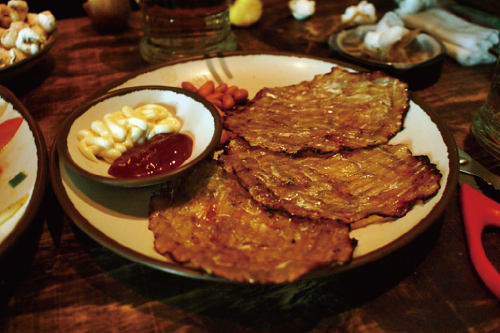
(23, 169)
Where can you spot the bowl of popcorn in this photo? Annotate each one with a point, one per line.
(24, 37)
(139, 136)
(390, 47)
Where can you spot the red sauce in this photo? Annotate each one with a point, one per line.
(162, 153)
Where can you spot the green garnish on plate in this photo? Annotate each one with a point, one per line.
(17, 179)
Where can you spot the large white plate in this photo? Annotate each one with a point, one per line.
(27, 154)
(118, 219)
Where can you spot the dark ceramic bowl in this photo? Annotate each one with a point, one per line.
(417, 75)
(18, 69)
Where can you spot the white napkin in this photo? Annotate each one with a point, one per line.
(414, 6)
(468, 43)
(467, 57)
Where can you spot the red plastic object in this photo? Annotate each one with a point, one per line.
(479, 212)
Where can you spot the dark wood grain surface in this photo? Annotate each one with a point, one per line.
(56, 279)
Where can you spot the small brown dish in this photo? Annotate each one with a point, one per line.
(199, 120)
(417, 74)
(18, 69)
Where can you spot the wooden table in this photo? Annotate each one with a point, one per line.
(59, 280)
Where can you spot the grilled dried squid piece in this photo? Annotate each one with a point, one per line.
(335, 111)
(385, 180)
(208, 221)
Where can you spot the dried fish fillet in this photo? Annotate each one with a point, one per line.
(208, 221)
(385, 180)
(335, 111)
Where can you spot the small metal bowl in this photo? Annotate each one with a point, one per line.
(200, 120)
(417, 75)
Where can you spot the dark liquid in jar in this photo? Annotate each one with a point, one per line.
(162, 153)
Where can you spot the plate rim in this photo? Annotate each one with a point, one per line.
(34, 204)
(224, 54)
(360, 261)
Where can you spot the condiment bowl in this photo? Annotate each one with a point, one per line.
(199, 120)
(417, 74)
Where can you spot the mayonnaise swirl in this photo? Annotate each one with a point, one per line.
(121, 130)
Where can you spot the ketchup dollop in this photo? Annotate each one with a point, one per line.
(161, 153)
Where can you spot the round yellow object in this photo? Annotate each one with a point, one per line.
(244, 13)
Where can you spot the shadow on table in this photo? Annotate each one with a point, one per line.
(22, 81)
(16, 262)
(293, 307)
